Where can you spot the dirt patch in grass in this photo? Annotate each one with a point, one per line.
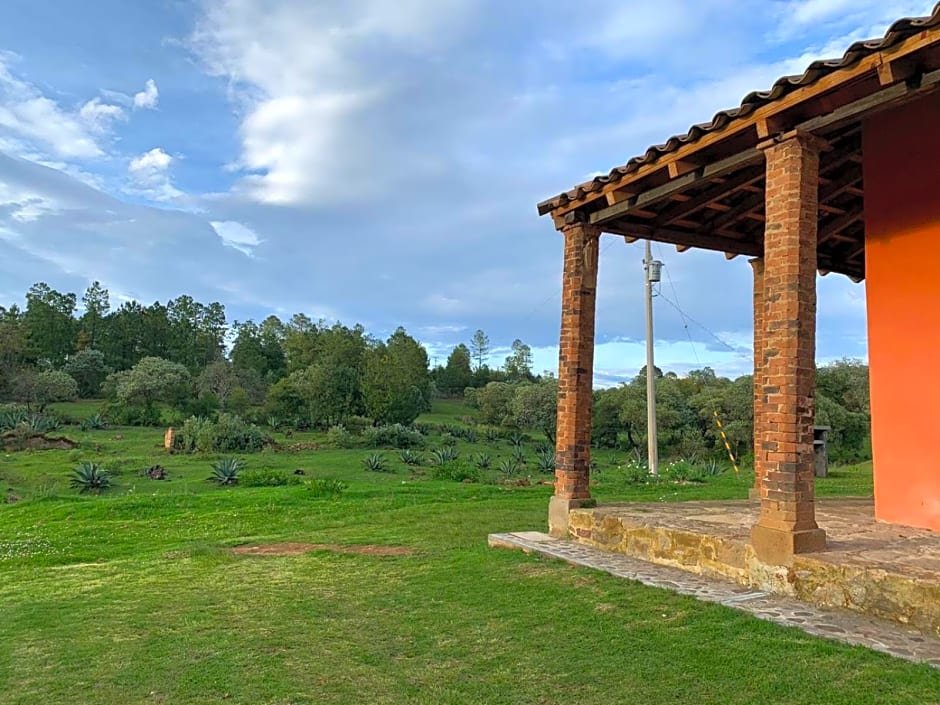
(43, 442)
(294, 549)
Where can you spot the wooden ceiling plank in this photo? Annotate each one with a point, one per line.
(709, 196)
(687, 239)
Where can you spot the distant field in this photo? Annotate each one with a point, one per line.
(135, 597)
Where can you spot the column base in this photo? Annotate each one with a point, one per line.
(753, 493)
(777, 547)
(558, 508)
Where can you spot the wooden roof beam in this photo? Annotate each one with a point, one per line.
(705, 241)
(675, 186)
(835, 227)
(709, 196)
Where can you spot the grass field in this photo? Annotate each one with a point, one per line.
(136, 597)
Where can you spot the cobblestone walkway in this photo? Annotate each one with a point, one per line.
(844, 626)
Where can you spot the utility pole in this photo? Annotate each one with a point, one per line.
(653, 269)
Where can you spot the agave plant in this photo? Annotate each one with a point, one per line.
(518, 454)
(95, 422)
(509, 467)
(444, 455)
(482, 461)
(409, 457)
(225, 470)
(375, 462)
(545, 460)
(516, 439)
(274, 423)
(491, 435)
(90, 477)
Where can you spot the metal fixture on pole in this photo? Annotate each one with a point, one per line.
(653, 269)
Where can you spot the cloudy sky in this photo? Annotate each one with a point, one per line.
(379, 161)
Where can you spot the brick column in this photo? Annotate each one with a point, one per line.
(757, 264)
(575, 376)
(787, 523)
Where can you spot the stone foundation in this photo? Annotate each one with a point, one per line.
(891, 572)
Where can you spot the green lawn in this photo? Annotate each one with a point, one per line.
(134, 597)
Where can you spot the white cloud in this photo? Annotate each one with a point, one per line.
(147, 99)
(150, 174)
(296, 75)
(28, 116)
(237, 236)
(100, 116)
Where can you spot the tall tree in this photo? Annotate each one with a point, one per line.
(480, 348)
(50, 326)
(457, 375)
(396, 384)
(518, 365)
(97, 305)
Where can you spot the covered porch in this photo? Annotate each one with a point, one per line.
(834, 171)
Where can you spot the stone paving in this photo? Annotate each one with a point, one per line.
(840, 625)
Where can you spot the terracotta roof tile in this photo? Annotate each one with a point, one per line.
(898, 32)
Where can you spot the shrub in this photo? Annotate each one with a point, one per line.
(325, 487)
(444, 455)
(90, 477)
(132, 414)
(448, 439)
(340, 437)
(357, 425)
(267, 477)
(636, 472)
(409, 457)
(458, 472)
(393, 436)
(226, 434)
(682, 471)
(225, 471)
(375, 462)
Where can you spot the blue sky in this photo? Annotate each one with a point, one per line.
(380, 162)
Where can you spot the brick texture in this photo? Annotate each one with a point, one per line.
(757, 264)
(788, 347)
(576, 362)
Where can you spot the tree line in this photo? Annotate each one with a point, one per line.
(147, 359)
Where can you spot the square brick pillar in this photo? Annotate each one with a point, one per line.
(787, 523)
(575, 376)
(757, 264)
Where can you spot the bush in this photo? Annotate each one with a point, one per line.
(90, 477)
(226, 434)
(340, 437)
(226, 471)
(325, 487)
(375, 462)
(682, 471)
(266, 477)
(458, 472)
(357, 425)
(132, 414)
(393, 436)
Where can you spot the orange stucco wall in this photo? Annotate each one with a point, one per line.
(902, 261)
